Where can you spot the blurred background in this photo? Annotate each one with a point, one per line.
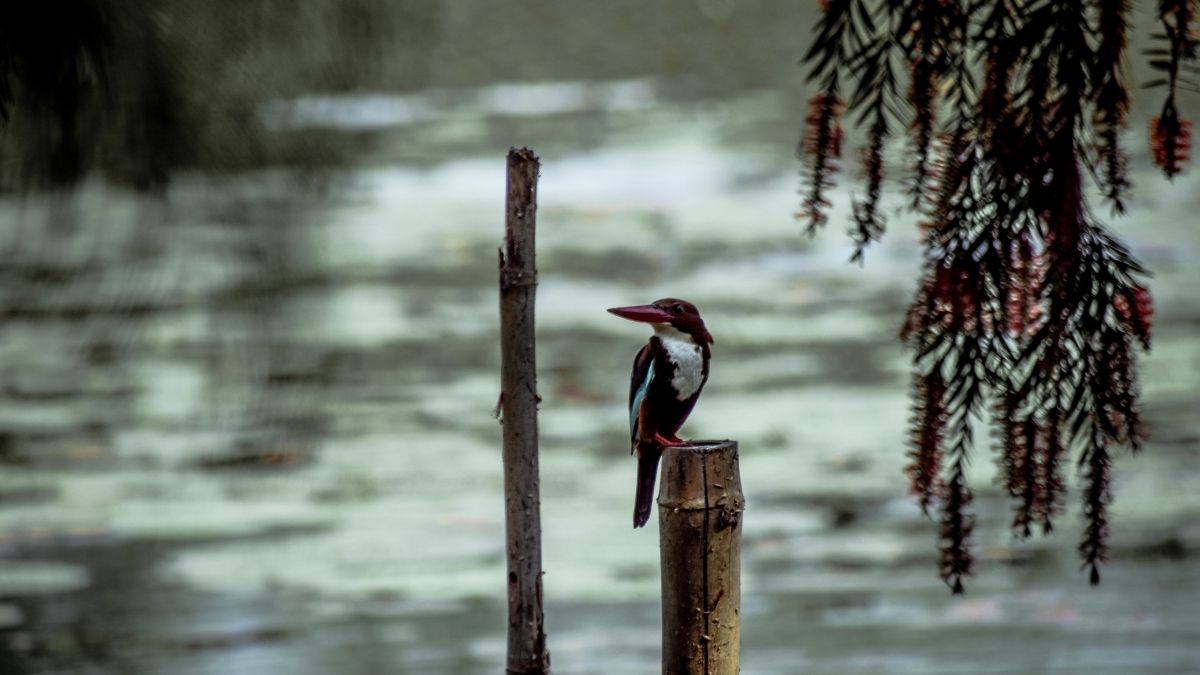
(249, 352)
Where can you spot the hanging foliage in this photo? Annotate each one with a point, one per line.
(1171, 137)
(1025, 300)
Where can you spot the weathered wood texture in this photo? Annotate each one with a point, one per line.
(700, 508)
(527, 654)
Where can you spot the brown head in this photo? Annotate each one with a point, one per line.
(679, 314)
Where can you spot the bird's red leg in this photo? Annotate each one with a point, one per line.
(672, 442)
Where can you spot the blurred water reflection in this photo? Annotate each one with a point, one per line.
(246, 419)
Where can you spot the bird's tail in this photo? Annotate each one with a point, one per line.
(647, 471)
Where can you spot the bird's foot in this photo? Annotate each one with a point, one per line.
(672, 442)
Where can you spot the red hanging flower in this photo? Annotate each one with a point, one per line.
(824, 126)
(928, 426)
(1171, 141)
(822, 145)
(1136, 310)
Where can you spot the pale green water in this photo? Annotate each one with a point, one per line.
(338, 335)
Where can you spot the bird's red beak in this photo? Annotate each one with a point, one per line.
(643, 313)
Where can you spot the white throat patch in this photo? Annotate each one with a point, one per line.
(687, 357)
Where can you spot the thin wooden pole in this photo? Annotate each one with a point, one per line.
(700, 509)
(527, 654)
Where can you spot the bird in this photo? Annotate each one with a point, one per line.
(668, 374)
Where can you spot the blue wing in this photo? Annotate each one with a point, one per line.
(639, 384)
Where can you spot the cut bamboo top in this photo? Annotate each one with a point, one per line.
(700, 476)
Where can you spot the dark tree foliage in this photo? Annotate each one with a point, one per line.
(136, 90)
(85, 83)
(50, 58)
(1027, 306)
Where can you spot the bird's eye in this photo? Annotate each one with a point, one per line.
(677, 308)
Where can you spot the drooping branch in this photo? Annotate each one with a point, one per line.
(1110, 96)
(877, 97)
(924, 32)
(1171, 135)
(928, 426)
(1025, 299)
(956, 560)
(1097, 495)
(821, 143)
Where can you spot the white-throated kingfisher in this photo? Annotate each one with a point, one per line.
(668, 374)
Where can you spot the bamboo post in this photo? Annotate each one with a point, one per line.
(527, 654)
(700, 509)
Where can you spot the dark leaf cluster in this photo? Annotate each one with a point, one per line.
(1027, 307)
